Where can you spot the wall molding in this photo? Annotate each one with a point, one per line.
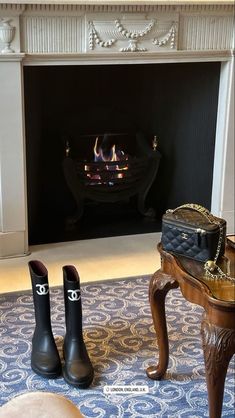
(66, 28)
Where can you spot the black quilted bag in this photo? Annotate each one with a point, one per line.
(192, 231)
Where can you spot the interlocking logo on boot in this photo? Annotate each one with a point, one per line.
(74, 295)
(43, 289)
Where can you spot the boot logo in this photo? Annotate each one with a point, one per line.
(43, 289)
(74, 295)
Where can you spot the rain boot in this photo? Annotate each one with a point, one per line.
(78, 370)
(45, 359)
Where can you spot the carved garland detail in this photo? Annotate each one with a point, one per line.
(95, 39)
(170, 36)
(133, 36)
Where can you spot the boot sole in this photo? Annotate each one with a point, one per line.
(48, 375)
(81, 385)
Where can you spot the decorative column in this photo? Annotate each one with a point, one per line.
(223, 178)
(13, 209)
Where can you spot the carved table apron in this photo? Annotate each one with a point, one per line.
(217, 297)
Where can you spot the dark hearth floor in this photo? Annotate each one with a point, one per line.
(98, 221)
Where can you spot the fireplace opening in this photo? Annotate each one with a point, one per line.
(111, 171)
(69, 108)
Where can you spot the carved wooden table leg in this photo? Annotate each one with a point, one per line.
(160, 285)
(219, 347)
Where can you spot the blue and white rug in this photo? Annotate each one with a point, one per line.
(121, 341)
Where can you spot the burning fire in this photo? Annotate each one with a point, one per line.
(99, 154)
(107, 154)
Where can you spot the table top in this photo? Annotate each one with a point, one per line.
(221, 289)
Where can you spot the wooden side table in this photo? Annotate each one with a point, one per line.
(217, 297)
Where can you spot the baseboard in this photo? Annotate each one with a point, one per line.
(13, 244)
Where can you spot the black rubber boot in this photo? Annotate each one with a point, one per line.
(78, 370)
(45, 359)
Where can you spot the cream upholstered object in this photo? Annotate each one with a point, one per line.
(39, 405)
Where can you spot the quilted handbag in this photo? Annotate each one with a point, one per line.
(192, 231)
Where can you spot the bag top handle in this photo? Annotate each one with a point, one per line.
(196, 208)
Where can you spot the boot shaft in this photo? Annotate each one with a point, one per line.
(78, 370)
(41, 298)
(45, 359)
(72, 301)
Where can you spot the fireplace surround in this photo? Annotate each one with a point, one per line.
(42, 33)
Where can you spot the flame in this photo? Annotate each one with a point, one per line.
(112, 155)
(100, 156)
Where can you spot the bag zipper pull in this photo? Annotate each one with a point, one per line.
(200, 234)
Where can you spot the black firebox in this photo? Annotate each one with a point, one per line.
(70, 111)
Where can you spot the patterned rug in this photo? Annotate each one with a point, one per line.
(121, 341)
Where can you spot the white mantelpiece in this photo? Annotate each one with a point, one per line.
(103, 32)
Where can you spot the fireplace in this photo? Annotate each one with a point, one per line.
(164, 43)
(66, 110)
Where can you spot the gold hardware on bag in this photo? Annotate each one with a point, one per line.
(201, 231)
(210, 265)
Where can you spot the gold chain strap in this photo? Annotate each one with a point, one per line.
(210, 266)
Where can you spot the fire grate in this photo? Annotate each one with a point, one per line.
(113, 177)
